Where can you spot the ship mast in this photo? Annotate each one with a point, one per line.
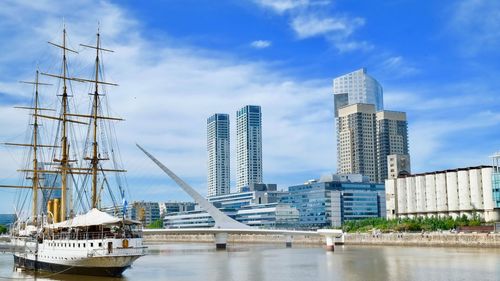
(95, 159)
(35, 153)
(64, 162)
(65, 148)
(35, 145)
(64, 167)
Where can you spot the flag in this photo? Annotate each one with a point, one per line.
(124, 211)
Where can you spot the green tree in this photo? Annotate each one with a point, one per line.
(156, 224)
(413, 224)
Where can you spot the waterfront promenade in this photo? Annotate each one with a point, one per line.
(431, 239)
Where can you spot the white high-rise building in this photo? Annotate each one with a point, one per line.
(249, 146)
(357, 87)
(218, 150)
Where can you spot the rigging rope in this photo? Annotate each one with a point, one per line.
(36, 275)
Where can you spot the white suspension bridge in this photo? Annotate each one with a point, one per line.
(224, 225)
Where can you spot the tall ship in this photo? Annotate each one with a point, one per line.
(66, 180)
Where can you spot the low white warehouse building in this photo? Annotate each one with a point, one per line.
(463, 191)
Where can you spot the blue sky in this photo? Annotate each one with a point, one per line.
(177, 62)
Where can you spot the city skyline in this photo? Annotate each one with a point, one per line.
(284, 60)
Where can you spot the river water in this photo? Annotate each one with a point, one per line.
(201, 262)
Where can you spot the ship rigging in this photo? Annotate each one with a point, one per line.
(63, 234)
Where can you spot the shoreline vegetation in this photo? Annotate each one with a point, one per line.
(411, 224)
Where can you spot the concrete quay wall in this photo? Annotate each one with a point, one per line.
(434, 239)
(232, 238)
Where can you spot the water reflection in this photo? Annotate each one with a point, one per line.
(201, 262)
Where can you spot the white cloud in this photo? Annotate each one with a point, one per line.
(261, 44)
(281, 6)
(394, 67)
(349, 46)
(311, 25)
(308, 20)
(166, 93)
(430, 136)
(336, 30)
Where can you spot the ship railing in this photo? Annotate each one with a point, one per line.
(131, 251)
(94, 235)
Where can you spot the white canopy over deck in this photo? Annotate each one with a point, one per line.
(92, 218)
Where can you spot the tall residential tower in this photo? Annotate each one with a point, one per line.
(367, 134)
(218, 154)
(392, 139)
(249, 146)
(356, 148)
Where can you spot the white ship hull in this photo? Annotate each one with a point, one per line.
(103, 257)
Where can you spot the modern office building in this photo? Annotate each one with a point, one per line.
(464, 191)
(334, 199)
(248, 146)
(257, 205)
(392, 138)
(253, 194)
(218, 151)
(357, 87)
(175, 207)
(398, 165)
(190, 219)
(356, 145)
(273, 215)
(145, 212)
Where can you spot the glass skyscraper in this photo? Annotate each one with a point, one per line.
(357, 87)
(218, 151)
(249, 146)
